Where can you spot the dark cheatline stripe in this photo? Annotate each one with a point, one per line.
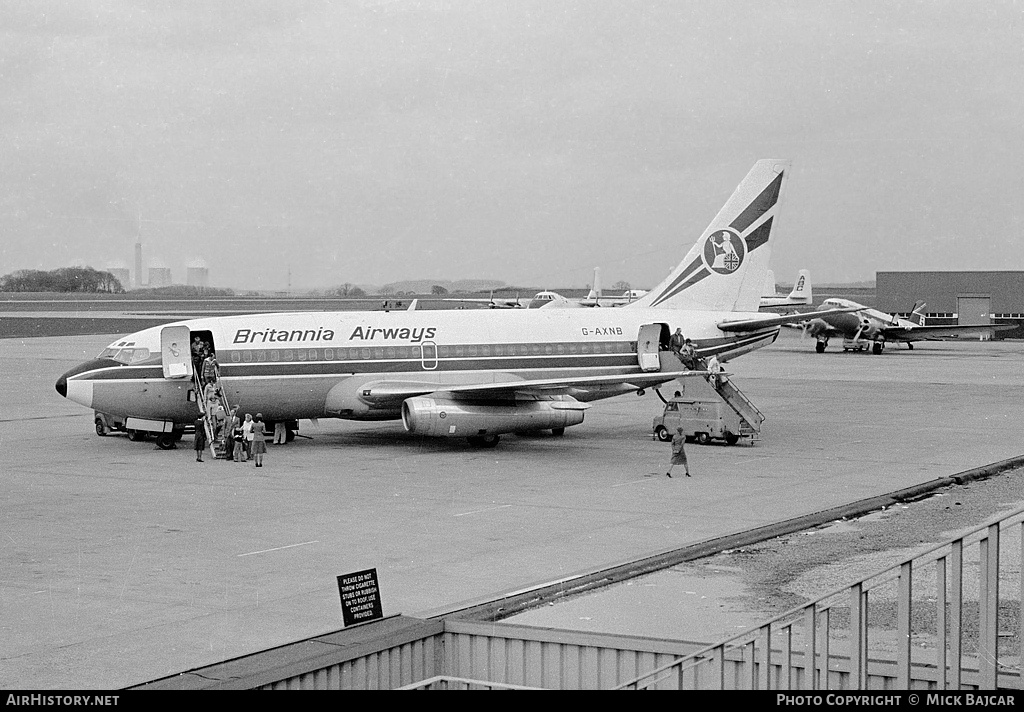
(759, 206)
(344, 368)
(689, 283)
(759, 236)
(697, 262)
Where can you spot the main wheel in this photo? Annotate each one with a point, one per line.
(702, 438)
(484, 441)
(876, 348)
(101, 429)
(136, 435)
(289, 435)
(558, 432)
(732, 438)
(663, 434)
(165, 441)
(820, 347)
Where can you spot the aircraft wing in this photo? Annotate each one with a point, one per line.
(794, 320)
(921, 333)
(384, 391)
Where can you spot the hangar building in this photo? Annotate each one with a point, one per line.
(956, 297)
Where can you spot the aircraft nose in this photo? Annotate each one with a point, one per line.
(62, 383)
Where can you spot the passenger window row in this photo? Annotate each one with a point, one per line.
(377, 353)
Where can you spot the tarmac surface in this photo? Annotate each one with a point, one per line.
(124, 563)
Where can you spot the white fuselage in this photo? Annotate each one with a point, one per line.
(315, 364)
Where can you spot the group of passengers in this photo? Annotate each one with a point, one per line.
(683, 348)
(242, 439)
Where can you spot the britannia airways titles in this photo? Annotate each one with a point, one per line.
(361, 333)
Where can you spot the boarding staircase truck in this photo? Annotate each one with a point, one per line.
(707, 409)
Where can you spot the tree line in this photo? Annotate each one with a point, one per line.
(63, 279)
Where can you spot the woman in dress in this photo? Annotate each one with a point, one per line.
(200, 440)
(259, 440)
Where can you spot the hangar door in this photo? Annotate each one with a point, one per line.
(973, 309)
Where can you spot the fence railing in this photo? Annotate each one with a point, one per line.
(948, 618)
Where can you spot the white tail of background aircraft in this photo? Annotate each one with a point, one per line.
(917, 313)
(802, 291)
(800, 295)
(595, 291)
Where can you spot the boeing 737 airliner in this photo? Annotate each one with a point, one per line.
(457, 373)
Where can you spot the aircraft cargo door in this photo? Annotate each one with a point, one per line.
(175, 352)
(647, 346)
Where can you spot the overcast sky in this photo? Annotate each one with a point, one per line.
(368, 142)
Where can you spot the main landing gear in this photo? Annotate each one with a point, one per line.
(483, 441)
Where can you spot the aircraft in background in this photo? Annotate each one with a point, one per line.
(491, 303)
(862, 327)
(454, 373)
(594, 298)
(800, 296)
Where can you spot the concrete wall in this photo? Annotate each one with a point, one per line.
(897, 291)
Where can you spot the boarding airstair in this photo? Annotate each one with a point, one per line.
(208, 408)
(750, 417)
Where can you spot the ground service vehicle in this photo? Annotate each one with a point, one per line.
(701, 420)
(105, 424)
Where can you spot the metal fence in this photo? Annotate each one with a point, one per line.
(947, 619)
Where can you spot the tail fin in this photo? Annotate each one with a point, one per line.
(595, 291)
(770, 288)
(802, 293)
(725, 270)
(917, 313)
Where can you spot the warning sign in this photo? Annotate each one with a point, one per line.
(360, 597)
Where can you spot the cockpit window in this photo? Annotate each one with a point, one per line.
(126, 355)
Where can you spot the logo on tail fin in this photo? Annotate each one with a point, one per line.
(724, 252)
(726, 248)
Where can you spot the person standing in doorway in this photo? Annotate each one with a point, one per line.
(200, 439)
(678, 453)
(259, 440)
(676, 343)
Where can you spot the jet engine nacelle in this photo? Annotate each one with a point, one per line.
(456, 418)
(816, 327)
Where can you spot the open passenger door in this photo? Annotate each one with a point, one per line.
(648, 344)
(175, 352)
